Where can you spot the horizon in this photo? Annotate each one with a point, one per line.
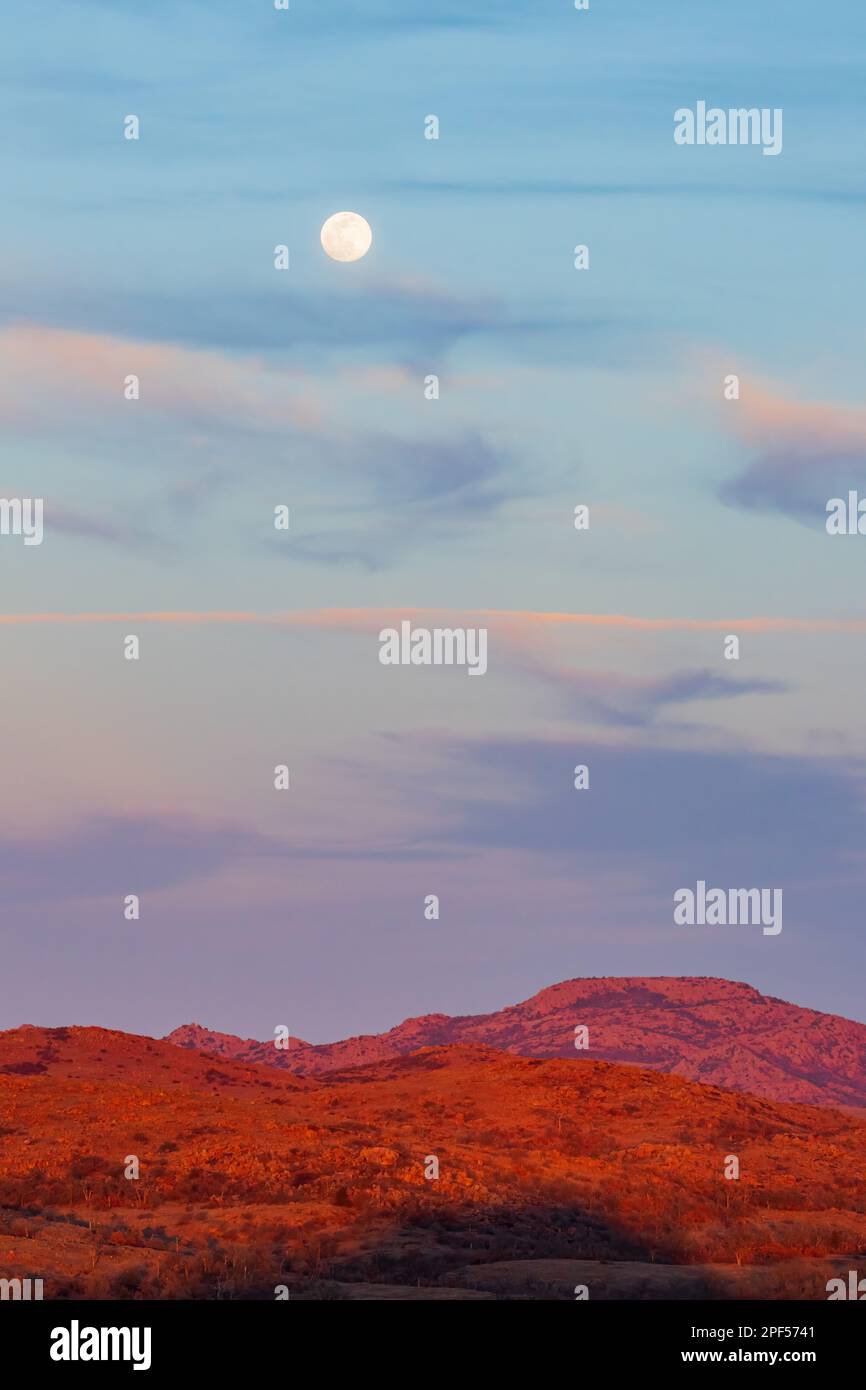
(439, 1014)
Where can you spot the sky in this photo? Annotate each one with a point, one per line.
(558, 387)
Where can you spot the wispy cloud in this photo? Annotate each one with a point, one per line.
(695, 189)
(677, 812)
(411, 318)
(73, 522)
(119, 855)
(803, 453)
(637, 701)
(419, 491)
(88, 370)
(510, 621)
(416, 490)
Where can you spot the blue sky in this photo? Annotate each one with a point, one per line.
(557, 387)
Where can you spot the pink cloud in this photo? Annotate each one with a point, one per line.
(802, 453)
(88, 369)
(513, 621)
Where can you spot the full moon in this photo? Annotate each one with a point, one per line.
(347, 236)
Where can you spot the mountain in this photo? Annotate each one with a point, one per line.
(710, 1030)
(547, 1174)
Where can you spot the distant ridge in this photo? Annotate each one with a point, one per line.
(717, 1031)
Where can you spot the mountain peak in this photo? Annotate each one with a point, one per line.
(705, 1028)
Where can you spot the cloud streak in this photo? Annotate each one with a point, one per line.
(411, 318)
(119, 855)
(88, 370)
(805, 453)
(680, 814)
(369, 619)
(420, 490)
(635, 702)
